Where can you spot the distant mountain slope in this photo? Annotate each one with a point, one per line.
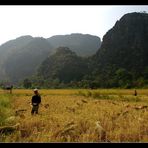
(24, 62)
(19, 58)
(10, 47)
(81, 44)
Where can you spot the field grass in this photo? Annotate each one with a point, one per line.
(71, 115)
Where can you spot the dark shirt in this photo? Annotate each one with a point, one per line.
(36, 100)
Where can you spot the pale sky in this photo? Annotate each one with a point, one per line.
(48, 20)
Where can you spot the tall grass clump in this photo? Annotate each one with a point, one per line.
(5, 108)
(95, 95)
(85, 93)
(129, 98)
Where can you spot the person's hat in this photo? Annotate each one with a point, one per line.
(35, 89)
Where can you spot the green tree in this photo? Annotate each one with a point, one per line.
(27, 83)
(123, 77)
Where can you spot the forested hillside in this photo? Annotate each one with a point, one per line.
(20, 58)
(62, 67)
(25, 61)
(10, 47)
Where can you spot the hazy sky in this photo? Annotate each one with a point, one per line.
(48, 20)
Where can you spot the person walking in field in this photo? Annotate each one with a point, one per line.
(36, 100)
(135, 93)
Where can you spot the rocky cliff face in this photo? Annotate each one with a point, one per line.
(126, 44)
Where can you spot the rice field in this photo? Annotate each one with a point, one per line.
(75, 115)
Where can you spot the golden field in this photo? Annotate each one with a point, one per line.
(75, 115)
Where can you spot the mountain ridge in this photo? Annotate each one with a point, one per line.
(12, 53)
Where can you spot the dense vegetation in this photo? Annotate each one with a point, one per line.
(64, 66)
